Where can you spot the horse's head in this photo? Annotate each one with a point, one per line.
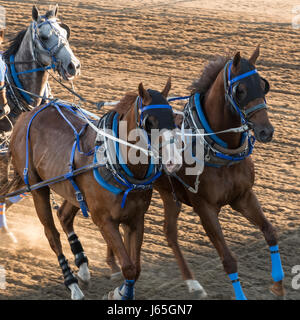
(51, 44)
(248, 91)
(157, 114)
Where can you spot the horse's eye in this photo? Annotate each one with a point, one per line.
(240, 92)
(44, 38)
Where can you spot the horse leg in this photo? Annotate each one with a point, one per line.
(66, 214)
(209, 218)
(171, 211)
(4, 231)
(111, 234)
(133, 237)
(111, 261)
(249, 206)
(43, 208)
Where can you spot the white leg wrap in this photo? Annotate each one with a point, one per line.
(84, 272)
(194, 285)
(117, 295)
(76, 293)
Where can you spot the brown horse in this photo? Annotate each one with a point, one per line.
(229, 182)
(225, 181)
(49, 149)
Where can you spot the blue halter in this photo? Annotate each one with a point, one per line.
(228, 86)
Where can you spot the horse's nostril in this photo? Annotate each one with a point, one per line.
(266, 135)
(71, 67)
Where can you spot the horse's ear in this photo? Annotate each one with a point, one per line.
(144, 94)
(237, 60)
(167, 88)
(1, 36)
(255, 55)
(55, 10)
(35, 13)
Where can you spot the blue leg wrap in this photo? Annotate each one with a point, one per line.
(239, 294)
(127, 290)
(277, 272)
(2, 216)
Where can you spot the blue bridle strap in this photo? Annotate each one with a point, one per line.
(242, 76)
(156, 106)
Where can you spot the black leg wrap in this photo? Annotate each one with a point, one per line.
(67, 273)
(77, 250)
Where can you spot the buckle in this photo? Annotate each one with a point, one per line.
(79, 196)
(25, 172)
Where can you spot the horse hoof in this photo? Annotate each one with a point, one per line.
(109, 296)
(84, 273)
(277, 289)
(196, 291)
(116, 276)
(76, 293)
(117, 295)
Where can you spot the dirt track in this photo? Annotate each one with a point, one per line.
(148, 41)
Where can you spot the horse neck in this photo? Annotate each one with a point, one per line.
(34, 82)
(139, 170)
(219, 114)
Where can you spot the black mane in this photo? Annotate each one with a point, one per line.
(14, 45)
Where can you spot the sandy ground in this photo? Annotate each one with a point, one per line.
(120, 45)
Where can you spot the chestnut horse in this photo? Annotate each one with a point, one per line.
(231, 90)
(49, 147)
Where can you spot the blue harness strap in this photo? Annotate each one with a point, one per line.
(17, 81)
(69, 175)
(204, 122)
(78, 194)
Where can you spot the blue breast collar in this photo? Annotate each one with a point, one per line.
(115, 190)
(119, 154)
(204, 122)
(207, 127)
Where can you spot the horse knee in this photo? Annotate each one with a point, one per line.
(129, 272)
(229, 264)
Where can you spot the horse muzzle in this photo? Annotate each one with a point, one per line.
(263, 134)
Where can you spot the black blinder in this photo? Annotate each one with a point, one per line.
(267, 85)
